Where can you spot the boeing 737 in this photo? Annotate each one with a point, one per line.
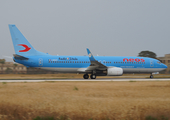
(94, 65)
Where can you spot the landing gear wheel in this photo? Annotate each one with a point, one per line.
(151, 76)
(86, 76)
(93, 76)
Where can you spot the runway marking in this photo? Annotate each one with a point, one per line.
(83, 80)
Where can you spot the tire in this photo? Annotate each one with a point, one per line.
(86, 76)
(93, 76)
(151, 76)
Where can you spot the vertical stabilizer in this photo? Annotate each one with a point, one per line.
(21, 45)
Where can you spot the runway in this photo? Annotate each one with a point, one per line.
(83, 80)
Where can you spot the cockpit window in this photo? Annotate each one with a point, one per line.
(159, 62)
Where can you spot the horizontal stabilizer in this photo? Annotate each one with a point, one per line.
(19, 57)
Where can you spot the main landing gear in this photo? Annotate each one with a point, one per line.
(86, 76)
(92, 76)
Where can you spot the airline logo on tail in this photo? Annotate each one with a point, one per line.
(25, 46)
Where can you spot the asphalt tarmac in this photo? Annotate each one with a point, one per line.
(80, 80)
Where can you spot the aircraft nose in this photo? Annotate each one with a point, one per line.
(164, 66)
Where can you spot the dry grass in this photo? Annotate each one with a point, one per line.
(85, 100)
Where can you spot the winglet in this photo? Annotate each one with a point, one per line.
(90, 55)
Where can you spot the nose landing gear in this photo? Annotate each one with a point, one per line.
(151, 76)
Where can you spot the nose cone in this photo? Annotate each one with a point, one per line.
(164, 66)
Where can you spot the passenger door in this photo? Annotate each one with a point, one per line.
(151, 63)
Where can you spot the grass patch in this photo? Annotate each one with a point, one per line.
(45, 118)
(150, 118)
(75, 88)
(4, 83)
(164, 118)
(154, 118)
(50, 81)
(63, 117)
(132, 81)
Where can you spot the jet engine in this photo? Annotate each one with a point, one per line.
(114, 71)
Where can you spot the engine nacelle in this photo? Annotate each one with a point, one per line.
(114, 71)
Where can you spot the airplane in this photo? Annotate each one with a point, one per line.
(94, 65)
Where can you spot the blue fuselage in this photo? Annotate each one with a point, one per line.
(74, 63)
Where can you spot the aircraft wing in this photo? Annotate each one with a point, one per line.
(94, 63)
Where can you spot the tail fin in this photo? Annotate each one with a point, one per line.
(21, 45)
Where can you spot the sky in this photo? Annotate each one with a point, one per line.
(106, 27)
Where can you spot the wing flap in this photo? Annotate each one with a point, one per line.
(94, 63)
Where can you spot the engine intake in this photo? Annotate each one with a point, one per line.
(114, 71)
